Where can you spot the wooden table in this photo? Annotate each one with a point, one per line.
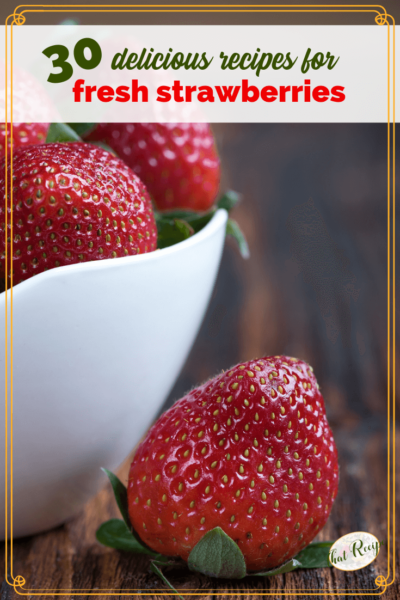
(315, 287)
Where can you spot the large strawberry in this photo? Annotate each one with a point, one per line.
(72, 202)
(23, 134)
(178, 162)
(249, 452)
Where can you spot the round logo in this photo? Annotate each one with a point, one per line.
(354, 551)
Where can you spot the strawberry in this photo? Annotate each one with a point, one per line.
(24, 134)
(178, 162)
(73, 202)
(250, 452)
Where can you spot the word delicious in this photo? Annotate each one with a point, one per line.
(207, 93)
(257, 62)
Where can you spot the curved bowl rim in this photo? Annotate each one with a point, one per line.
(218, 219)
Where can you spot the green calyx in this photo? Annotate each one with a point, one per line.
(82, 128)
(60, 132)
(215, 555)
(178, 225)
(72, 132)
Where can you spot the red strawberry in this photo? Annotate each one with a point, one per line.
(24, 134)
(178, 162)
(251, 452)
(73, 203)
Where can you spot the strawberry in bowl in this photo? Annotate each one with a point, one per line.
(178, 162)
(245, 463)
(72, 202)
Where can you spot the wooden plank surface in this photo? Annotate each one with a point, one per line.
(314, 211)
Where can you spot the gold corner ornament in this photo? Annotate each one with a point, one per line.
(18, 582)
(381, 18)
(382, 581)
(18, 18)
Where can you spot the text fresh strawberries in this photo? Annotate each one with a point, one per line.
(23, 134)
(178, 162)
(250, 452)
(72, 202)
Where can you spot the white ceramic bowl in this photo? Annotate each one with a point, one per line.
(97, 348)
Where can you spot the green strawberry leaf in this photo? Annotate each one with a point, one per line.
(288, 566)
(60, 132)
(184, 228)
(233, 229)
(168, 233)
(217, 555)
(115, 534)
(194, 219)
(172, 231)
(186, 215)
(81, 128)
(229, 200)
(200, 220)
(315, 556)
(120, 495)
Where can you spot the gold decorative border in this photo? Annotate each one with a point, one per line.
(381, 18)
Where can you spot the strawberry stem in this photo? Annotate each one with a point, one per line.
(157, 571)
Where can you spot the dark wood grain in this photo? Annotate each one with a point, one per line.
(314, 211)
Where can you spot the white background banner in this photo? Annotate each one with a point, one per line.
(354, 90)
